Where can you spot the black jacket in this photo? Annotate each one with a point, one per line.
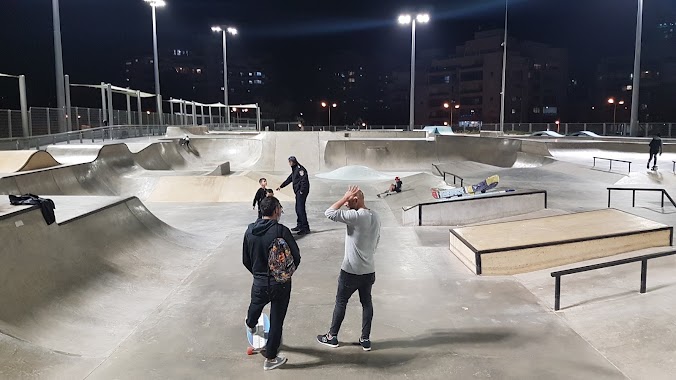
(260, 195)
(255, 251)
(299, 177)
(656, 145)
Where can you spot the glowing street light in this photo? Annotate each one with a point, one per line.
(155, 4)
(329, 106)
(448, 107)
(225, 31)
(405, 19)
(612, 101)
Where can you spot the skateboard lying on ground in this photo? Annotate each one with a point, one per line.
(386, 194)
(481, 187)
(259, 339)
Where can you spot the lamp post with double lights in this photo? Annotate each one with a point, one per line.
(612, 101)
(155, 4)
(329, 106)
(225, 31)
(405, 19)
(448, 107)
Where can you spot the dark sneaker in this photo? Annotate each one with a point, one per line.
(328, 340)
(303, 232)
(274, 363)
(365, 344)
(295, 229)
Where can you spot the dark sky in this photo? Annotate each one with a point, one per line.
(98, 35)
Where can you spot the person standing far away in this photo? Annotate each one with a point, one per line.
(301, 187)
(260, 195)
(259, 240)
(358, 271)
(655, 147)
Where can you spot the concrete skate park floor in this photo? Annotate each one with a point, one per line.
(433, 318)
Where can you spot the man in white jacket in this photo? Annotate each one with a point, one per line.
(358, 269)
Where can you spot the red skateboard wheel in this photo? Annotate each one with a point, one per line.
(250, 351)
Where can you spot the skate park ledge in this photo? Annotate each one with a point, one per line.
(474, 209)
(525, 246)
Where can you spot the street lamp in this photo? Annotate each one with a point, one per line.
(504, 72)
(633, 126)
(329, 106)
(612, 101)
(448, 107)
(155, 4)
(58, 58)
(232, 31)
(406, 19)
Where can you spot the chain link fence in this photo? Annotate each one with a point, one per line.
(602, 129)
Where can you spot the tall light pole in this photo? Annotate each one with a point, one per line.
(155, 4)
(58, 58)
(504, 72)
(406, 19)
(448, 107)
(329, 106)
(224, 31)
(633, 126)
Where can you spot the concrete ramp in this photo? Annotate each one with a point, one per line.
(207, 189)
(25, 160)
(474, 209)
(526, 246)
(82, 286)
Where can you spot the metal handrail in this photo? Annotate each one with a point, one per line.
(644, 272)
(611, 162)
(455, 176)
(635, 189)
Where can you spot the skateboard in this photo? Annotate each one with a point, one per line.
(481, 187)
(259, 339)
(386, 194)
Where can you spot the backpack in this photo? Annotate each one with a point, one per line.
(280, 261)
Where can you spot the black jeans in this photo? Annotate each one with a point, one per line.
(347, 285)
(278, 295)
(302, 222)
(653, 155)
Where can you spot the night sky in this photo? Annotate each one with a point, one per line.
(98, 35)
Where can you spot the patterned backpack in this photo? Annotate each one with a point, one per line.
(280, 261)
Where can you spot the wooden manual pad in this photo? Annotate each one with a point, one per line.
(529, 245)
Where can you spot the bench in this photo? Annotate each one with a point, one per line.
(611, 162)
(644, 271)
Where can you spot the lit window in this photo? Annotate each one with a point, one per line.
(198, 71)
(352, 80)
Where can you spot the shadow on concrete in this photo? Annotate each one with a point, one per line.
(395, 351)
(616, 296)
(191, 149)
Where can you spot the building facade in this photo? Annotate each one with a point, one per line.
(536, 82)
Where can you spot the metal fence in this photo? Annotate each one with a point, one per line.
(93, 135)
(603, 129)
(45, 121)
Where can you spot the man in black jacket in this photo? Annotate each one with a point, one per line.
(301, 187)
(265, 289)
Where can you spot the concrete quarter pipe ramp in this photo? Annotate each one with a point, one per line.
(81, 287)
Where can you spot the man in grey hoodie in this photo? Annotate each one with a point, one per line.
(265, 289)
(358, 269)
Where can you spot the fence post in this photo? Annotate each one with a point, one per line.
(49, 124)
(669, 129)
(565, 130)
(530, 127)
(604, 129)
(9, 119)
(584, 126)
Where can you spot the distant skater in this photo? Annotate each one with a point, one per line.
(394, 188)
(185, 141)
(655, 147)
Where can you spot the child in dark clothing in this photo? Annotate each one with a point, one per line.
(260, 195)
(269, 193)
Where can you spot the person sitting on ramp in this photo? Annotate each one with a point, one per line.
(394, 188)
